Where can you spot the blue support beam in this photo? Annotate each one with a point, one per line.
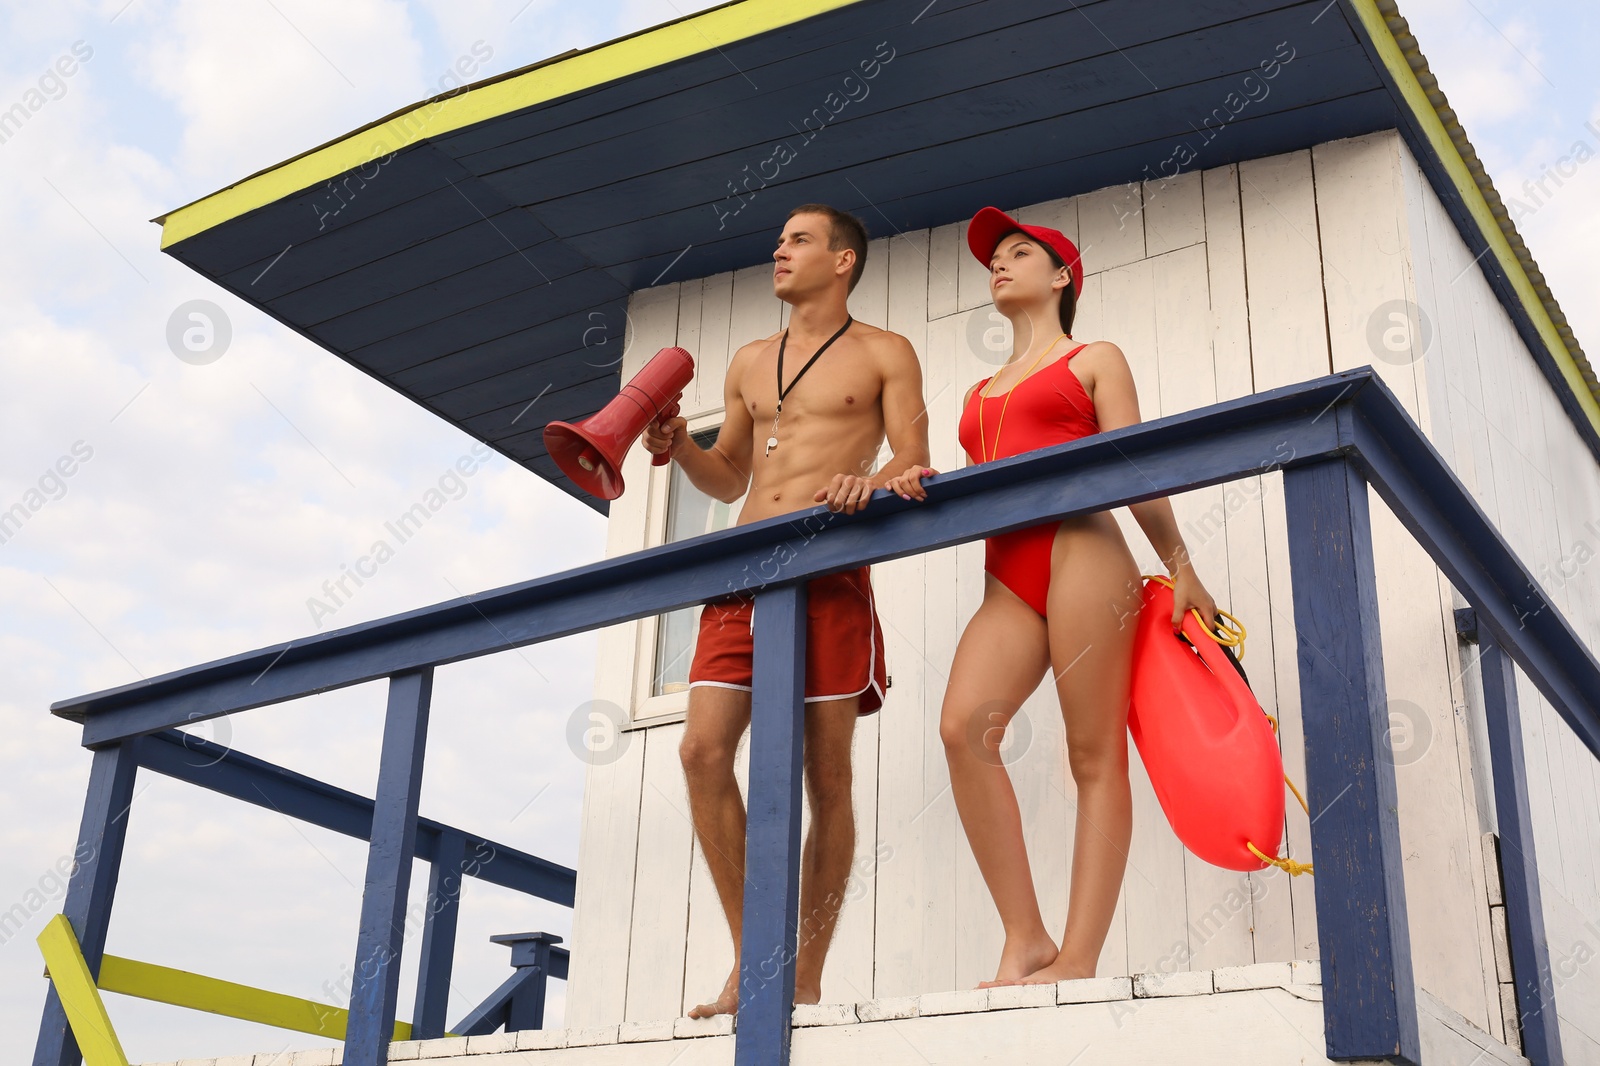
(93, 886)
(232, 773)
(376, 988)
(439, 937)
(494, 1013)
(767, 948)
(1370, 1009)
(1530, 952)
(1410, 475)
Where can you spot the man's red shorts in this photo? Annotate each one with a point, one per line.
(844, 642)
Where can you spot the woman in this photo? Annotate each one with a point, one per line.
(1061, 596)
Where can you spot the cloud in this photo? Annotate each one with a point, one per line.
(1504, 80)
(1523, 90)
(218, 499)
(1554, 186)
(256, 83)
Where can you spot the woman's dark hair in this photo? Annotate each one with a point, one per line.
(1069, 295)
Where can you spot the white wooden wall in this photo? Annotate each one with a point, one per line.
(1216, 285)
(1497, 420)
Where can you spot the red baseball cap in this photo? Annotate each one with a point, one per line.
(991, 224)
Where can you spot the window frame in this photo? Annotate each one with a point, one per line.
(646, 710)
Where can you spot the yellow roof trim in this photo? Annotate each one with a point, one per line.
(547, 81)
(1398, 48)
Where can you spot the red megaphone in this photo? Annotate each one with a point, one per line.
(590, 452)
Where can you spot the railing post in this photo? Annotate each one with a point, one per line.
(439, 936)
(93, 886)
(1370, 1009)
(393, 845)
(519, 1001)
(528, 951)
(1530, 954)
(772, 835)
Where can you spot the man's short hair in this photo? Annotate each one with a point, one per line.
(844, 231)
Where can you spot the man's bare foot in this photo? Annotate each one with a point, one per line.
(726, 1003)
(807, 993)
(1020, 958)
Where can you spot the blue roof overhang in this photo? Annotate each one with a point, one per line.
(476, 252)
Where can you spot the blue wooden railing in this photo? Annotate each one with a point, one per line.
(452, 855)
(1331, 438)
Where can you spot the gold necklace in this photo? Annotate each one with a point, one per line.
(983, 395)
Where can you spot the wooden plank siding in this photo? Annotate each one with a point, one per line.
(1497, 421)
(1362, 220)
(1216, 284)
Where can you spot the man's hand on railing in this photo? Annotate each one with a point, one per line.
(908, 486)
(848, 493)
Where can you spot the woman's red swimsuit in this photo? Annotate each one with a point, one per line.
(1052, 407)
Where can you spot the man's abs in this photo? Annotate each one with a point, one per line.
(812, 449)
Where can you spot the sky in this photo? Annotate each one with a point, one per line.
(210, 499)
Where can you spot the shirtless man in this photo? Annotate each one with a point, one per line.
(864, 383)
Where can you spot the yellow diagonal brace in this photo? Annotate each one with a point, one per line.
(180, 988)
(75, 987)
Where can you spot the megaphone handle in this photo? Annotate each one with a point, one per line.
(663, 458)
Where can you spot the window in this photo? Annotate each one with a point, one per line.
(690, 513)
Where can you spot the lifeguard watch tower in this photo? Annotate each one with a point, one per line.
(1378, 433)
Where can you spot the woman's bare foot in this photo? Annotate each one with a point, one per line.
(1059, 970)
(1021, 957)
(726, 1003)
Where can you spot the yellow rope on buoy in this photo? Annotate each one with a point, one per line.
(1288, 866)
(1233, 636)
(1286, 780)
(1229, 635)
(1297, 795)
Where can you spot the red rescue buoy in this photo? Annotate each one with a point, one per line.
(1209, 748)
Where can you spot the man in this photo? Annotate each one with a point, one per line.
(806, 407)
